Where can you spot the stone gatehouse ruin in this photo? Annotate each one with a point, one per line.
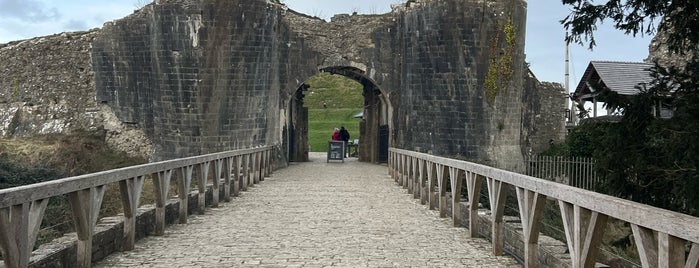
(188, 77)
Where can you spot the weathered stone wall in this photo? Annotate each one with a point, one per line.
(660, 52)
(194, 77)
(543, 115)
(47, 86)
(198, 76)
(461, 79)
(217, 75)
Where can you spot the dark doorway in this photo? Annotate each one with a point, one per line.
(297, 127)
(383, 143)
(292, 144)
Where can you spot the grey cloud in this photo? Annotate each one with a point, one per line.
(27, 10)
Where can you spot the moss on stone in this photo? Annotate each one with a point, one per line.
(500, 69)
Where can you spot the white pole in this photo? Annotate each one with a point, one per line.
(573, 114)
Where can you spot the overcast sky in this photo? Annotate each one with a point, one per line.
(545, 48)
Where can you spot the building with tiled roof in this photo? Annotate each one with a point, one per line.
(623, 78)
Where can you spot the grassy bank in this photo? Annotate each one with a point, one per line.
(321, 123)
(343, 98)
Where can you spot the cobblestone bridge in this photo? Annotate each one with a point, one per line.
(321, 214)
(316, 214)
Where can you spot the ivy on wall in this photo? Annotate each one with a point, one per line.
(500, 68)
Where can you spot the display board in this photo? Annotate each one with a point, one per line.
(336, 151)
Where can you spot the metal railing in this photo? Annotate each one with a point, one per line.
(573, 171)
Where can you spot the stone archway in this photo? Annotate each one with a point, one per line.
(203, 76)
(372, 147)
(444, 77)
(374, 127)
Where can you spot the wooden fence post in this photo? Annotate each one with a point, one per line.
(584, 230)
(130, 194)
(473, 183)
(183, 186)
(161, 183)
(531, 207)
(416, 179)
(431, 177)
(497, 193)
(203, 178)
(422, 183)
(19, 227)
(455, 177)
(85, 205)
(235, 174)
(442, 182)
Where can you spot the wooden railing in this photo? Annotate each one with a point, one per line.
(22, 208)
(573, 171)
(661, 236)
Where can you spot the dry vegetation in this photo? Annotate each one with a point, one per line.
(49, 157)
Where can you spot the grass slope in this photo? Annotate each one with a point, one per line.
(344, 99)
(322, 122)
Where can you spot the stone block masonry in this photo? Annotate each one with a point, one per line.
(47, 86)
(461, 79)
(543, 116)
(199, 77)
(181, 78)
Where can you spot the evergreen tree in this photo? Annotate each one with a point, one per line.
(643, 157)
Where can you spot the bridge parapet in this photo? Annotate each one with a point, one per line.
(22, 208)
(661, 235)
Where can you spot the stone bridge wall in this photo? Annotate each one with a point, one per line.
(210, 75)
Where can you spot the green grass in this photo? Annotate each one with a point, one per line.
(344, 99)
(335, 90)
(321, 124)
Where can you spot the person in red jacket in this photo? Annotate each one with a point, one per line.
(336, 135)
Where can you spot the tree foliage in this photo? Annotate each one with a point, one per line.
(635, 17)
(643, 157)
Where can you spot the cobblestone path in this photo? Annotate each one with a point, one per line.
(315, 214)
